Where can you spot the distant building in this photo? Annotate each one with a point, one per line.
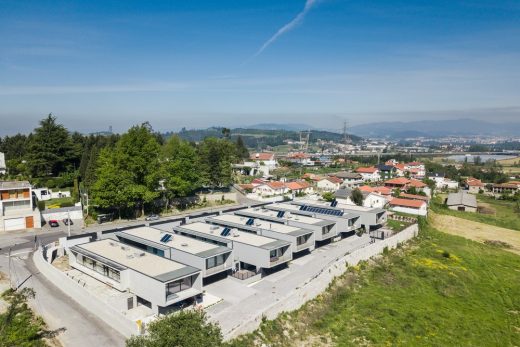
(264, 158)
(415, 207)
(511, 187)
(3, 167)
(386, 171)
(329, 184)
(462, 201)
(350, 179)
(17, 210)
(474, 185)
(369, 174)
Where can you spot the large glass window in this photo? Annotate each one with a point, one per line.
(179, 285)
(216, 261)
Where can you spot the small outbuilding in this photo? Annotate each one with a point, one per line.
(462, 201)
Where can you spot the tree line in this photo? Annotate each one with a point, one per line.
(125, 173)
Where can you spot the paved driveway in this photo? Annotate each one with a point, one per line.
(242, 302)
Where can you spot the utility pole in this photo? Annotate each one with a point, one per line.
(68, 221)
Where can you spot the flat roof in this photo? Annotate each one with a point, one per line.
(128, 257)
(284, 206)
(240, 222)
(339, 206)
(251, 239)
(14, 184)
(180, 242)
(269, 214)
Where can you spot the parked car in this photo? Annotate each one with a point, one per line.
(66, 221)
(54, 223)
(152, 217)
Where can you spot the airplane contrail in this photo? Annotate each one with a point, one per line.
(287, 27)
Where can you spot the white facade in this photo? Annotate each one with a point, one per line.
(422, 211)
(17, 211)
(268, 190)
(371, 177)
(3, 167)
(327, 186)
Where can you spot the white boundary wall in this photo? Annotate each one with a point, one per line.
(71, 288)
(318, 283)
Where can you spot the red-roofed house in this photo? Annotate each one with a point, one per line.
(267, 158)
(369, 174)
(300, 158)
(300, 187)
(415, 207)
(271, 188)
(416, 169)
(474, 185)
(398, 182)
(415, 197)
(329, 184)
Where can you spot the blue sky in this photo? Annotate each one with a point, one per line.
(202, 63)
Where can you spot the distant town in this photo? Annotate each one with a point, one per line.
(136, 226)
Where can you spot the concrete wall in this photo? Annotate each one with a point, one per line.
(318, 283)
(109, 315)
(423, 211)
(47, 215)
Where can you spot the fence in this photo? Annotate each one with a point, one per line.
(318, 283)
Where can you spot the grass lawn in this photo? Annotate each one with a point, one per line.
(505, 215)
(438, 290)
(59, 202)
(397, 225)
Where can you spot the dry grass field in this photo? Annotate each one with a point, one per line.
(479, 232)
(508, 162)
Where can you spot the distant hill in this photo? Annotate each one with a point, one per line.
(436, 128)
(275, 126)
(260, 138)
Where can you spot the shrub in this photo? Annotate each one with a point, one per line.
(446, 254)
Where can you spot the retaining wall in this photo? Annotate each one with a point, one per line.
(92, 304)
(318, 283)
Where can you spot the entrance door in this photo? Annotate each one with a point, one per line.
(29, 222)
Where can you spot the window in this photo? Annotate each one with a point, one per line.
(216, 261)
(302, 239)
(179, 285)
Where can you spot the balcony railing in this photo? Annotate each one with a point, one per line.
(279, 260)
(217, 268)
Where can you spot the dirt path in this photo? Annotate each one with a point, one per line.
(477, 231)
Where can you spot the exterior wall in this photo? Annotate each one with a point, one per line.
(255, 256)
(17, 210)
(85, 299)
(466, 208)
(371, 177)
(375, 201)
(423, 211)
(474, 189)
(292, 239)
(47, 215)
(317, 229)
(326, 185)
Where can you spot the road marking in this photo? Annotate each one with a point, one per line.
(254, 283)
(19, 253)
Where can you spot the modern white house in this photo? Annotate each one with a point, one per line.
(369, 218)
(156, 282)
(323, 229)
(345, 222)
(415, 207)
(370, 199)
(300, 239)
(252, 252)
(17, 210)
(44, 194)
(265, 159)
(210, 258)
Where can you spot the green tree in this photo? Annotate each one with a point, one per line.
(18, 325)
(50, 149)
(357, 197)
(215, 159)
(242, 151)
(328, 196)
(189, 328)
(179, 168)
(111, 189)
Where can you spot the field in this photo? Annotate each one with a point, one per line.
(500, 213)
(509, 162)
(500, 237)
(439, 290)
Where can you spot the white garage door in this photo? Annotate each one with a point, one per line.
(14, 224)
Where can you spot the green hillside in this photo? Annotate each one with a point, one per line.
(439, 290)
(260, 138)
